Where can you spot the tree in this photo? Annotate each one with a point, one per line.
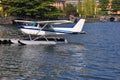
(116, 5)
(79, 8)
(5, 5)
(31, 8)
(70, 9)
(103, 6)
(86, 8)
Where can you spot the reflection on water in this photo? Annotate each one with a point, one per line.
(93, 56)
(42, 61)
(9, 32)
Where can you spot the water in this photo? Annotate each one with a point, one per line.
(91, 56)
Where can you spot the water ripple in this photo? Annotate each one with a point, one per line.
(93, 56)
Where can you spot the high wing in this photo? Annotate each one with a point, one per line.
(44, 22)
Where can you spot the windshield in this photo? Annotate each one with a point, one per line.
(32, 24)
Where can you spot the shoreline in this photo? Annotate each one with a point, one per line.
(10, 21)
(6, 21)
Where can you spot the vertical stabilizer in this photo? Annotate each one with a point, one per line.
(79, 26)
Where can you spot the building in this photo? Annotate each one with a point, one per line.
(60, 4)
(110, 10)
(73, 2)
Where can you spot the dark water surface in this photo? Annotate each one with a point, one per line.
(91, 56)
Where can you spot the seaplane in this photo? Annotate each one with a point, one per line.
(43, 29)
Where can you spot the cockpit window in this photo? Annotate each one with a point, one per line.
(49, 26)
(33, 24)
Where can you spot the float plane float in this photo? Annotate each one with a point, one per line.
(42, 29)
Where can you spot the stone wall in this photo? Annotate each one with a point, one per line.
(110, 18)
(6, 21)
(102, 18)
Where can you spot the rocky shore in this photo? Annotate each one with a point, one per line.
(9, 21)
(6, 21)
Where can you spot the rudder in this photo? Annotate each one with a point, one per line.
(79, 26)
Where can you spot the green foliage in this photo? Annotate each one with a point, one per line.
(116, 5)
(79, 8)
(103, 5)
(37, 9)
(5, 5)
(86, 8)
(70, 9)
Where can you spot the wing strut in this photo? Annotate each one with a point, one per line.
(30, 37)
(42, 28)
(38, 33)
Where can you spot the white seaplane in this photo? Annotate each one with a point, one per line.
(47, 28)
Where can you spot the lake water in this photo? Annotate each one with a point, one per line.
(91, 56)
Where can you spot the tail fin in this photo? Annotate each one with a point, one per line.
(79, 26)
